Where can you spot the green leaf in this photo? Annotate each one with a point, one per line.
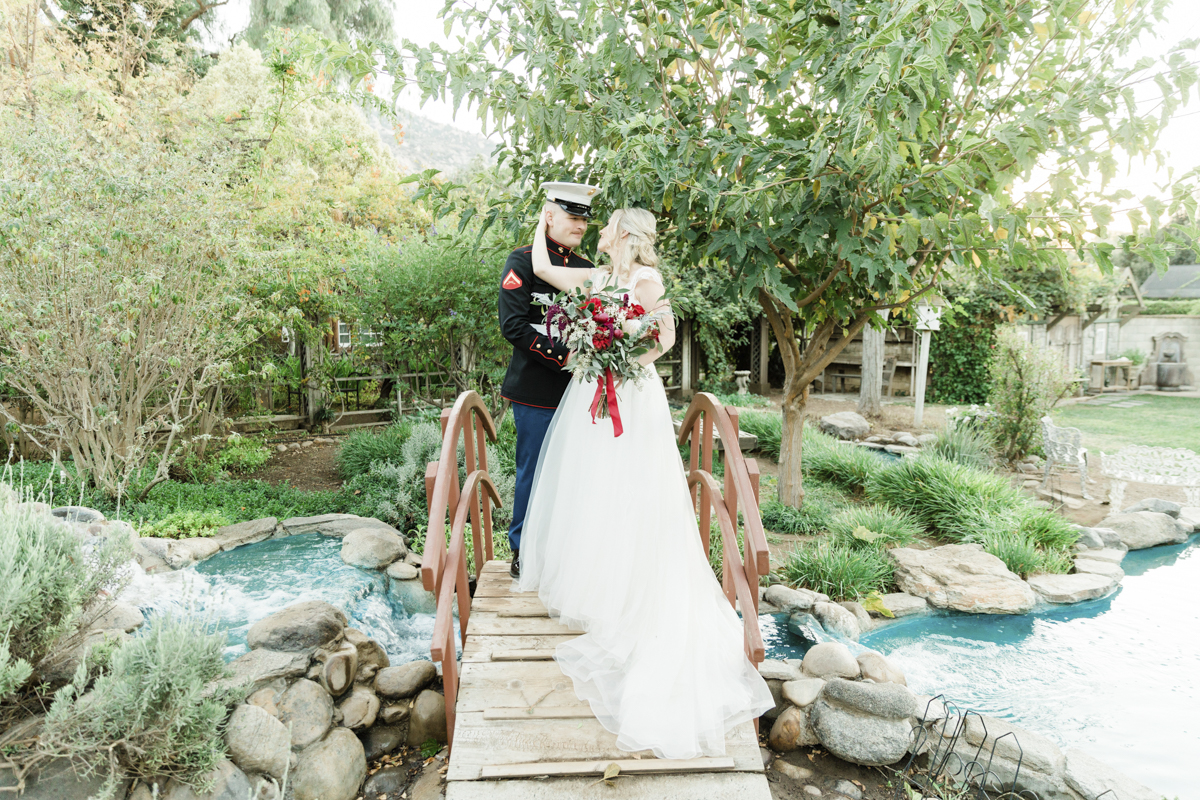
(862, 533)
(874, 602)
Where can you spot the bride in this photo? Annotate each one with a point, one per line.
(612, 547)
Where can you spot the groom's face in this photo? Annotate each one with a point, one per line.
(565, 228)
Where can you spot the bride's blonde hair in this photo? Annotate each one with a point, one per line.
(638, 246)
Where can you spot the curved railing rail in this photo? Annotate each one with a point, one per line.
(740, 571)
(444, 568)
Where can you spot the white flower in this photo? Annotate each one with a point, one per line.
(630, 327)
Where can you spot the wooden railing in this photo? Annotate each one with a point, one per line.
(740, 570)
(444, 569)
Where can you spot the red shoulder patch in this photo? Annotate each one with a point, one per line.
(511, 281)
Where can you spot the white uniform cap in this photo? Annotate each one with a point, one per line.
(574, 198)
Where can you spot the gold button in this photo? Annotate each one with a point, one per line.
(560, 249)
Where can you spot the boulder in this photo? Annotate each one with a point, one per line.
(372, 548)
(1037, 754)
(151, 554)
(267, 698)
(1156, 505)
(1096, 567)
(962, 577)
(845, 425)
(781, 705)
(791, 600)
(830, 660)
(359, 709)
(1072, 588)
(370, 652)
(1190, 515)
(805, 626)
(298, 627)
(1111, 538)
(428, 785)
(331, 769)
(118, 617)
(339, 669)
(887, 700)
(774, 670)
(860, 738)
(186, 552)
(394, 715)
(836, 620)
(1184, 527)
(396, 683)
(903, 605)
(1092, 778)
(1143, 529)
(802, 692)
(58, 779)
(865, 623)
(428, 719)
(265, 788)
(229, 783)
(335, 525)
(379, 740)
(257, 741)
(412, 597)
(1110, 555)
(926, 439)
(78, 514)
(256, 530)
(414, 559)
(876, 668)
(308, 709)
(260, 667)
(403, 571)
(1089, 539)
(387, 783)
(791, 730)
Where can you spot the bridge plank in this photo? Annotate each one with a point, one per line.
(696, 786)
(486, 648)
(627, 766)
(559, 712)
(510, 603)
(515, 685)
(490, 624)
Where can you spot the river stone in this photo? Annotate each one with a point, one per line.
(1089, 539)
(335, 525)
(403, 571)
(267, 698)
(359, 709)
(907, 439)
(803, 692)
(791, 600)
(845, 425)
(428, 719)
(370, 652)
(151, 554)
(396, 683)
(259, 667)
(78, 514)
(860, 614)
(309, 710)
(791, 730)
(185, 552)
(1092, 778)
(1035, 752)
(1096, 567)
(903, 605)
(57, 779)
(1143, 529)
(257, 741)
(394, 715)
(1190, 515)
(887, 700)
(331, 769)
(238, 534)
(794, 772)
(830, 660)
(229, 783)
(1184, 527)
(836, 620)
(1156, 505)
(962, 577)
(1110, 555)
(1072, 588)
(857, 737)
(412, 597)
(805, 626)
(119, 616)
(781, 705)
(302, 626)
(774, 670)
(337, 674)
(372, 548)
(388, 783)
(379, 740)
(877, 668)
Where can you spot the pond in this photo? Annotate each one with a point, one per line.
(239, 587)
(1114, 677)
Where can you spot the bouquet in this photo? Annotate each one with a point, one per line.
(608, 333)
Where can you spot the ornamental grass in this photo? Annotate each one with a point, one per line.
(839, 570)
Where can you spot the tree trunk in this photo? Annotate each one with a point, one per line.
(871, 387)
(791, 482)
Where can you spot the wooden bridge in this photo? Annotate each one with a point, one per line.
(516, 728)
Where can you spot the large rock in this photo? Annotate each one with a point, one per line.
(257, 741)
(861, 738)
(845, 425)
(403, 571)
(339, 669)
(1092, 778)
(1089, 539)
(78, 514)
(335, 525)
(256, 530)
(428, 719)
(836, 620)
(60, 665)
(1002, 746)
(359, 709)
(877, 668)
(370, 652)
(1190, 515)
(331, 769)
(1143, 529)
(151, 554)
(887, 700)
(791, 600)
(385, 784)
(186, 552)
(412, 596)
(1095, 567)
(830, 660)
(118, 617)
(379, 740)
(962, 577)
(802, 692)
(308, 709)
(865, 623)
(791, 730)
(298, 627)
(1156, 505)
(903, 605)
(229, 783)
(258, 668)
(1072, 588)
(58, 779)
(395, 683)
(1112, 555)
(372, 548)
(774, 670)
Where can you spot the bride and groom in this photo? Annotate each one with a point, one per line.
(603, 527)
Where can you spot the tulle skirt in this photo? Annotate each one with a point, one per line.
(611, 545)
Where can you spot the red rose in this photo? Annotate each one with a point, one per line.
(635, 311)
(600, 341)
(592, 304)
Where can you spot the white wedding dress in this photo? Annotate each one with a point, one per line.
(612, 547)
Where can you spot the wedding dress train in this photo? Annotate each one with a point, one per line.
(612, 547)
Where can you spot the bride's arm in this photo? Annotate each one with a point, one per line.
(562, 278)
(649, 293)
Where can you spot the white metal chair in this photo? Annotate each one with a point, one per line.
(1064, 446)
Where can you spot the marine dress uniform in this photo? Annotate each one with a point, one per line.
(536, 377)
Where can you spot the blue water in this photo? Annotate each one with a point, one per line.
(240, 587)
(1115, 677)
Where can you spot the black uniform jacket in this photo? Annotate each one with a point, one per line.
(535, 374)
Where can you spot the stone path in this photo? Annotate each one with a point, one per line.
(522, 733)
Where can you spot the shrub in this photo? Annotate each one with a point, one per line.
(1046, 528)
(1019, 554)
(150, 714)
(240, 455)
(959, 357)
(186, 524)
(1027, 381)
(814, 516)
(364, 447)
(845, 466)
(838, 570)
(890, 526)
(768, 428)
(47, 586)
(394, 491)
(963, 445)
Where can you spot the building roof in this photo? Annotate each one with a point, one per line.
(1179, 282)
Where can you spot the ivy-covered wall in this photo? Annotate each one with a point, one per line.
(960, 354)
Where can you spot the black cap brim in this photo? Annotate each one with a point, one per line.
(578, 209)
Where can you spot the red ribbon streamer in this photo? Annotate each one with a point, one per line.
(606, 388)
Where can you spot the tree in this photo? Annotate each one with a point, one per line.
(830, 159)
(871, 384)
(337, 19)
(1175, 238)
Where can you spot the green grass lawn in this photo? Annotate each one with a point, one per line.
(1162, 422)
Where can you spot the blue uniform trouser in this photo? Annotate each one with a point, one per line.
(532, 423)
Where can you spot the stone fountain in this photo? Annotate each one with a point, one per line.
(1168, 367)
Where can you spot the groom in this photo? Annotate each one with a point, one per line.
(537, 374)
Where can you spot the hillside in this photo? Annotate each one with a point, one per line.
(429, 144)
